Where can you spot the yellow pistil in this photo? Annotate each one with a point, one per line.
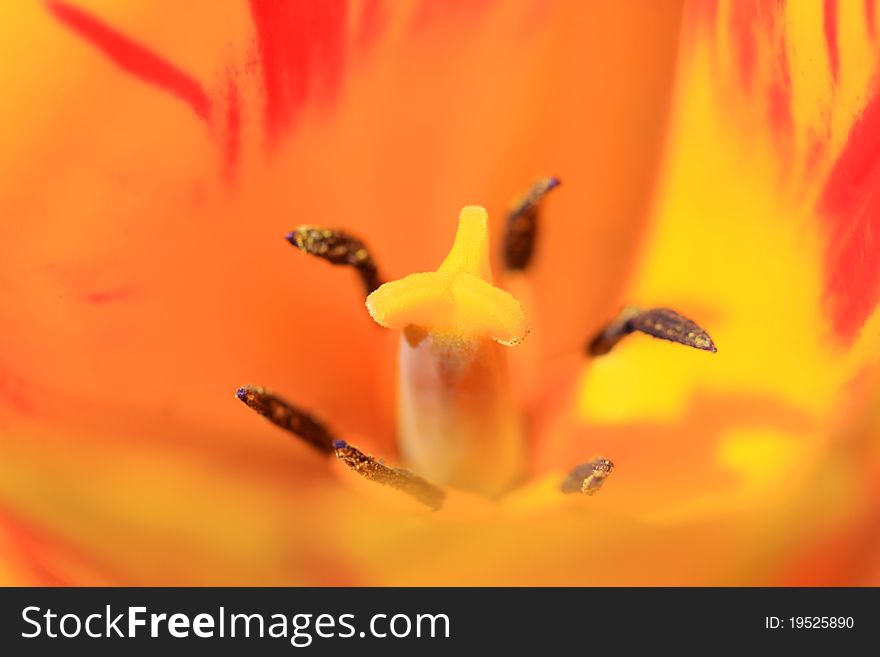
(457, 423)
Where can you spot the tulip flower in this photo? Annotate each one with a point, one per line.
(516, 200)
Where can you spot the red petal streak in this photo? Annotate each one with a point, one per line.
(850, 202)
(133, 57)
(108, 296)
(703, 16)
(301, 45)
(232, 143)
(25, 550)
(757, 28)
(371, 23)
(433, 12)
(829, 23)
(45, 557)
(11, 395)
(869, 19)
(779, 94)
(743, 27)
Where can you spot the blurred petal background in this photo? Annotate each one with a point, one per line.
(719, 158)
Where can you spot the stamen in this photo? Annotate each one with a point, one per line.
(339, 248)
(660, 323)
(522, 225)
(588, 477)
(403, 480)
(288, 417)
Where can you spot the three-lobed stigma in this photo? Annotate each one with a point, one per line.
(459, 299)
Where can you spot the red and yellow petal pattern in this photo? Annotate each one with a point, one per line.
(157, 159)
(765, 228)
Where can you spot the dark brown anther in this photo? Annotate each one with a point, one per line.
(288, 417)
(403, 480)
(588, 477)
(522, 225)
(660, 323)
(339, 248)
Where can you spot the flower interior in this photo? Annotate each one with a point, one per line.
(458, 421)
